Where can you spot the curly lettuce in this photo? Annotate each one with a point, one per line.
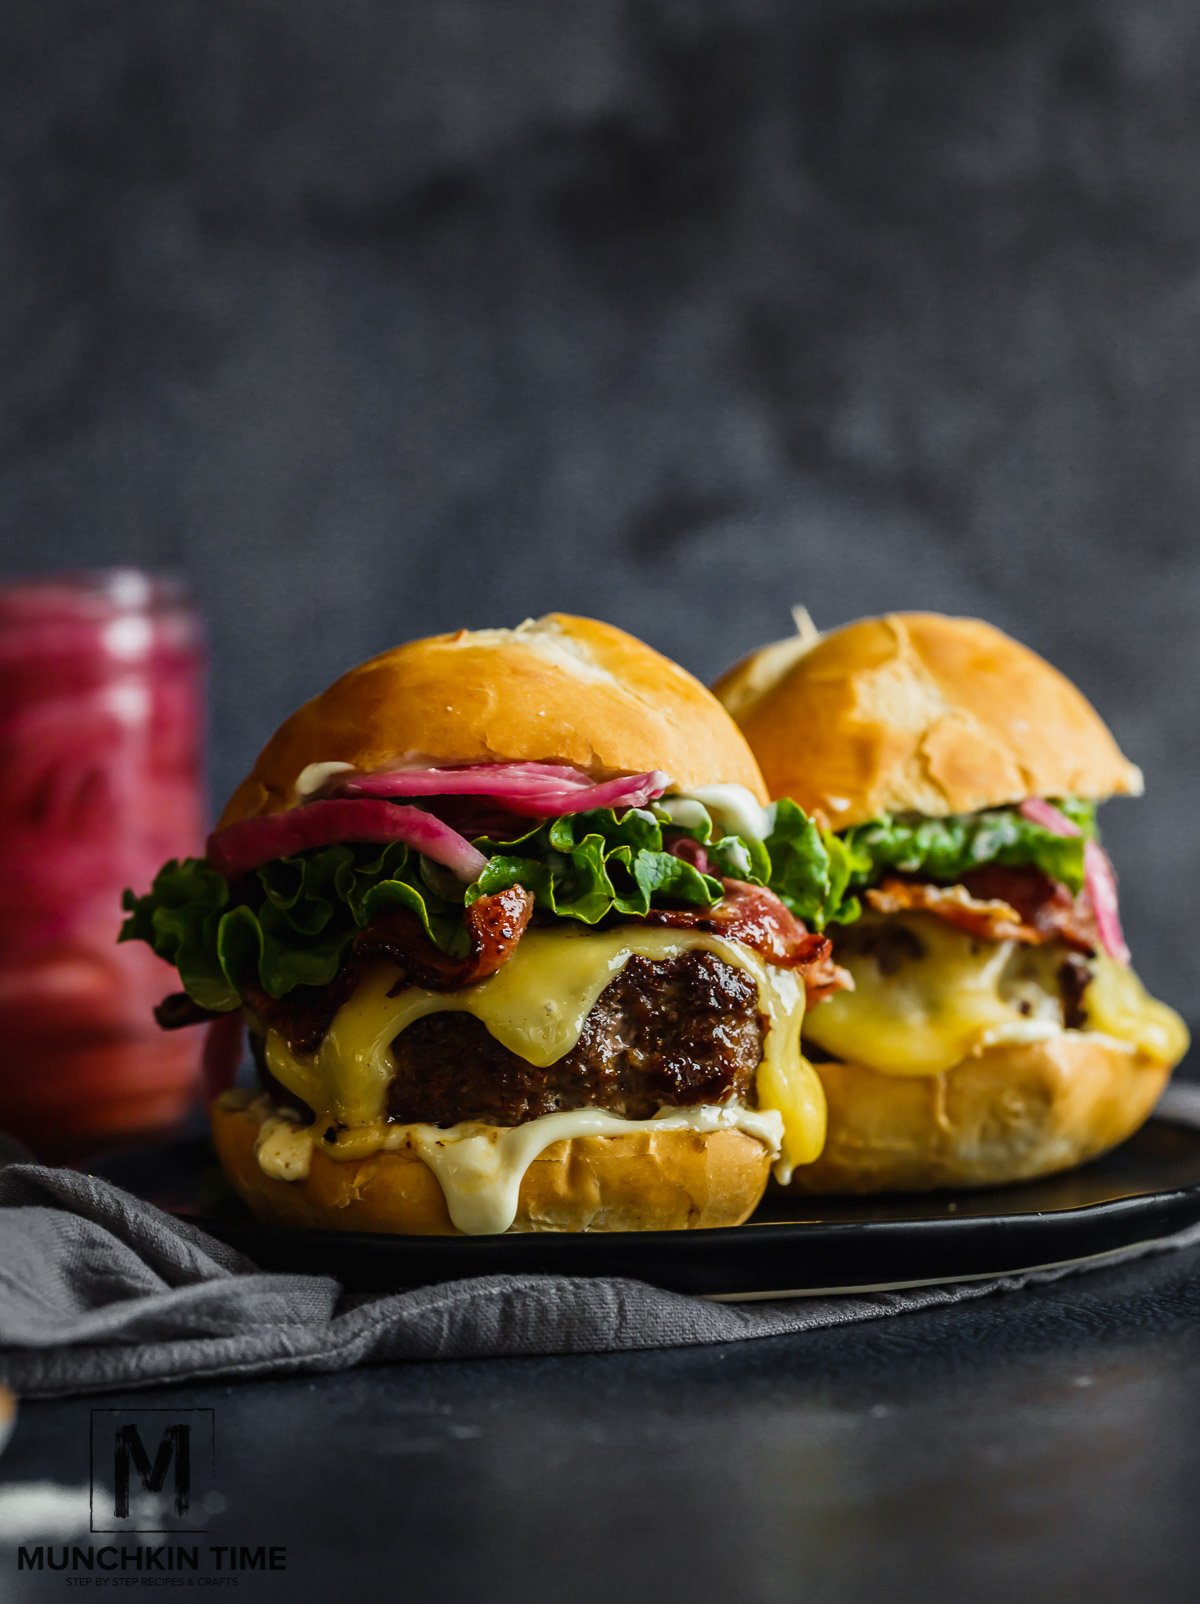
(288, 924)
(810, 870)
(946, 849)
(291, 922)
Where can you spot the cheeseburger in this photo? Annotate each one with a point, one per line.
(995, 1030)
(495, 910)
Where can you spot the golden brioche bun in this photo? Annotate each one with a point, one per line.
(919, 712)
(644, 1181)
(1010, 1113)
(555, 690)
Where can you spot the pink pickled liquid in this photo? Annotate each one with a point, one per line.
(101, 730)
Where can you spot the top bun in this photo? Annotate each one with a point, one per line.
(919, 712)
(554, 690)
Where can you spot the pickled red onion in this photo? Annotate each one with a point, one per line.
(470, 779)
(251, 842)
(1038, 811)
(537, 790)
(690, 851)
(1099, 878)
(630, 791)
(1101, 882)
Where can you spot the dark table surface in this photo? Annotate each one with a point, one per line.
(1035, 1445)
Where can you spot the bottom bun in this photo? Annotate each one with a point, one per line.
(679, 1180)
(1012, 1112)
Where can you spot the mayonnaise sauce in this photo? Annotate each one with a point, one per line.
(480, 1167)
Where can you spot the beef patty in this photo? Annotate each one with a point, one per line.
(671, 1034)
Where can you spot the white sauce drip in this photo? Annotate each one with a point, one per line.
(738, 810)
(316, 776)
(480, 1167)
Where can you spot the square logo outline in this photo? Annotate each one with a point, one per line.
(124, 1414)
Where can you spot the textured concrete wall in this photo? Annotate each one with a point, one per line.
(384, 317)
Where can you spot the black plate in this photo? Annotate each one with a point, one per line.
(1146, 1190)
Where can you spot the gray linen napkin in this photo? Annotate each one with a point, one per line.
(99, 1291)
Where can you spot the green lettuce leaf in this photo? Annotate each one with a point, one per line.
(946, 849)
(181, 919)
(292, 922)
(588, 865)
(809, 867)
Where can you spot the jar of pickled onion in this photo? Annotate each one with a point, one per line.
(101, 780)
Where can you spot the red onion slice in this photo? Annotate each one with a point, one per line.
(1038, 811)
(244, 846)
(1099, 877)
(629, 791)
(691, 852)
(535, 790)
(1100, 881)
(472, 779)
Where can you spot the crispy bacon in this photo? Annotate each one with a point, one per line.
(756, 917)
(997, 903)
(1044, 905)
(495, 924)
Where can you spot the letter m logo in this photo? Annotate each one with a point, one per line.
(152, 1469)
(129, 1453)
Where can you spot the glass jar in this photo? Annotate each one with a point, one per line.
(101, 732)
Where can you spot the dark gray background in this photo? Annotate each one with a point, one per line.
(386, 317)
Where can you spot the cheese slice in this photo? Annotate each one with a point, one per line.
(922, 1015)
(1118, 1005)
(536, 1006)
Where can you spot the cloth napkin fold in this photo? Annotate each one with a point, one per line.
(100, 1291)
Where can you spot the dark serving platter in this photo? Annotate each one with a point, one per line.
(1146, 1190)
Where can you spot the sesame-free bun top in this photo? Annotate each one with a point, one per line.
(919, 712)
(557, 689)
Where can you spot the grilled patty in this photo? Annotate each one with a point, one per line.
(671, 1034)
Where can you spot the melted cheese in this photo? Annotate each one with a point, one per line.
(535, 1006)
(1118, 1005)
(923, 1015)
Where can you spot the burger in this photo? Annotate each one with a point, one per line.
(496, 912)
(995, 1029)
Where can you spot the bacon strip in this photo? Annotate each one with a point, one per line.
(495, 924)
(756, 917)
(998, 904)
